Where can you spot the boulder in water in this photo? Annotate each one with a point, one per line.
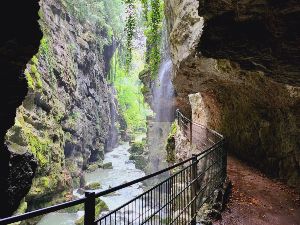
(93, 186)
(107, 165)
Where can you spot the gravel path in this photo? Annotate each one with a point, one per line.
(258, 200)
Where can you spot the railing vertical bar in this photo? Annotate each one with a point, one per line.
(191, 133)
(193, 189)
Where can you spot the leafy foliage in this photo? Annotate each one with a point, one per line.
(106, 15)
(130, 29)
(129, 94)
(153, 34)
(153, 14)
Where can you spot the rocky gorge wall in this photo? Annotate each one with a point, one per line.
(19, 41)
(236, 71)
(64, 122)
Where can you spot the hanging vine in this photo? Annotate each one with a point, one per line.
(130, 30)
(153, 14)
(154, 36)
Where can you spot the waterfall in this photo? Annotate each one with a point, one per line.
(163, 93)
(113, 139)
(163, 105)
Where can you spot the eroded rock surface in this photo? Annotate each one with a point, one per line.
(239, 62)
(66, 119)
(19, 41)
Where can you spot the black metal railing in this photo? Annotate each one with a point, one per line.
(174, 200)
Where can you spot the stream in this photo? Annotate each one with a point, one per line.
(123, 171)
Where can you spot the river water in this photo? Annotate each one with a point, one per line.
(123, 171)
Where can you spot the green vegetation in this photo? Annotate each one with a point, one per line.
(106, 15)
(137, 148)
(107, 165)
(130, 30)
(93, 186)
(153, 34)
(33, 76)
(39, 148)
(170, 147)
(129, 95)
(153, 17)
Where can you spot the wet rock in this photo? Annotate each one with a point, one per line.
(213, 214)
(137, 148)
(93, 186)
(107, 165)
(226, 79)
(94, 166)
(66, 119)
(140, 161)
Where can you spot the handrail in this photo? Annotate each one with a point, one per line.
(84, 200)
(40, 212)
(198, 124)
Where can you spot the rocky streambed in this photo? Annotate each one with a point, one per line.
(123, 170)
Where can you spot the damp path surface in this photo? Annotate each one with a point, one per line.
(258, 200)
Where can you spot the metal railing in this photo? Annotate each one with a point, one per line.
(174, 200)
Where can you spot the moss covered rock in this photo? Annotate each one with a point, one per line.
(107, 165)
(94, 166)
(137, 148)
(170, 147)
(93, 186)
(141, 161)
(65, 119)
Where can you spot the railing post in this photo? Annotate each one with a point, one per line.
(194, 190)
(191, 133)
(89, 208)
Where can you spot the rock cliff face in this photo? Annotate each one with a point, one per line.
(19, 41)
(64, 123)
(239, 60)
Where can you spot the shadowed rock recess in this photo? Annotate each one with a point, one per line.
(237, 71)
(64, 109)
(19, 41)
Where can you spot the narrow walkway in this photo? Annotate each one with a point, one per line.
(258, 200)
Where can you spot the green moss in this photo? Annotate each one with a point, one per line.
(173, 129)
(137, 148)
(30, 81)
(170, 147)
(92, 168)
(45, 181)
(100, 207)
(22, 208)
(37, 75)
(33, 76)
(107, 165)
(145, 90)
(35, 60)
(93, 186)
(39, 148)
(44, 47)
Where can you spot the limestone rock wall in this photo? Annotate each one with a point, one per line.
(243, 84)
(19, 41)
(65, 119)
